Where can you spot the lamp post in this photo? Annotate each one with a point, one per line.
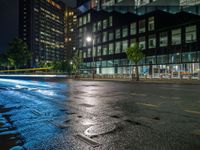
(70, 73)
(89, 39)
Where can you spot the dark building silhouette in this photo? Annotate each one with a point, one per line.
(70, 32)
(41, 25)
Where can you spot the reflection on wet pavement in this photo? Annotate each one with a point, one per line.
(67, 114)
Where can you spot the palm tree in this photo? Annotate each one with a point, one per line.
(135, 54)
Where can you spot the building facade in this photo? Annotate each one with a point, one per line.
(189, 2)
(70, 32)
(169, 39)
(41, 26)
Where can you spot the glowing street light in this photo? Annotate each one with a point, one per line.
(90, 39)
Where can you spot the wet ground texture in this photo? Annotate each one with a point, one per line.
(82, 115)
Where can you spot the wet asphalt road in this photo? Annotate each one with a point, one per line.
(67, 114)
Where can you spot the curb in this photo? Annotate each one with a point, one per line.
(180, 82)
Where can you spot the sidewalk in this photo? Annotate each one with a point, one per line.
(148, 81)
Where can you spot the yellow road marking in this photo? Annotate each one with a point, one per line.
(193, 112)
(148, 105)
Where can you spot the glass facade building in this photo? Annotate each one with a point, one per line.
(169, 36)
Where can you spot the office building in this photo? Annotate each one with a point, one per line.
(41, 26)
(169, 37)
(189, 2)
(70, 32)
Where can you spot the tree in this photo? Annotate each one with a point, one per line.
(56, 65)
(66, 66)
(19, 53)
(135, 54)
(76, 61)
(6, 61)
(3, 60)
(62, 66)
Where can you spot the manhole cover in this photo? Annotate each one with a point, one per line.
(100, 129)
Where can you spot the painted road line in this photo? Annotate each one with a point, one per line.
(87, 140)
(138, 94)
(33, 76)
(164, 97)
(146, 119)
(176, 98)
(196, 132)
(148, 105)
(192, 112)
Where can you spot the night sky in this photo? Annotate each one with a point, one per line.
(9, 20)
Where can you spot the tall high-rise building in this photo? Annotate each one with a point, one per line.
(41, 26)
(70, 32)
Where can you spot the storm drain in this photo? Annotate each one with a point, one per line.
(36, 112)
(88, 140)
(100, 129)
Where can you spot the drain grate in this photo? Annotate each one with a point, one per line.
(36, 112)
(88, 140)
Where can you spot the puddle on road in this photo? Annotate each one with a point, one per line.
(8, 135)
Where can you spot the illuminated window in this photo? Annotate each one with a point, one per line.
(117, 47)
(133, 28)
(111, 36)
(99, 25)
(124, 45)
(117, 33)
(125, 32)
(111, 48)
(163, 39)
(152, 41)
(191, 34)
(105, 24)
(110, 21)
(142, 27)
(105, 36)
(176, 36)
(151, 24)
(142, 42)
(105, 50)
(99, 51)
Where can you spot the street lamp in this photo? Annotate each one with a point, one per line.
(90, 39)
(70, 70)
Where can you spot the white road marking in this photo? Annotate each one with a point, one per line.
(148, 105)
